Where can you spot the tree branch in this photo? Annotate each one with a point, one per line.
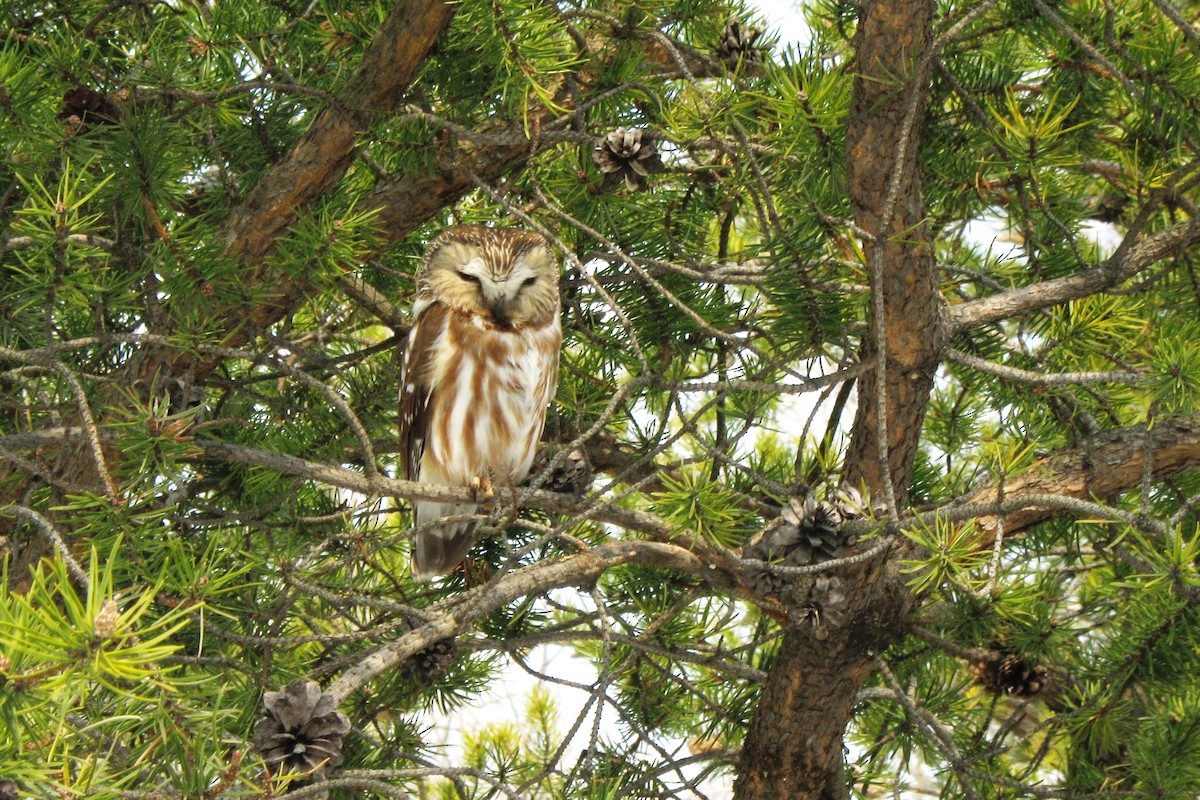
(406, 201)
(1107, 275)
(719, 570)
(311, 168)
(459, 613)
(326, 150)
(1034, 376)
(1102, 467)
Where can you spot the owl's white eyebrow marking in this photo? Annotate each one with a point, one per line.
(476, 266)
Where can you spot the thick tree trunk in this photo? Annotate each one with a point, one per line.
(793, 748)
(886, 190)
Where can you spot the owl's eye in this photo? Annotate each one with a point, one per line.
(469, 278)
(529, 282)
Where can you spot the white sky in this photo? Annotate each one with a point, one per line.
(785, 20)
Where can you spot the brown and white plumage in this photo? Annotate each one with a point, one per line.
(480, 368)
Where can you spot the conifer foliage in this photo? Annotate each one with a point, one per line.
(872, 470)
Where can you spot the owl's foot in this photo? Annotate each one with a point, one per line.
(483, 489)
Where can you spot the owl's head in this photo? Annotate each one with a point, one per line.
(506, 276)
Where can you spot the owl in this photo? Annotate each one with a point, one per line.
(480, 367)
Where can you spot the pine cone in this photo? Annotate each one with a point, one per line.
(830, 596)
(573, 475)
(825, 607)
(626, 153)
(1008, 673)
(301, 732)
(433, 662)
(88, 106)
(105, 624)
(806, 532)
(737, 44)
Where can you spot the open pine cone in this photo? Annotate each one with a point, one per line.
(737, 44)
(301, 732)
(807, 532)
(825, 606)
(1008, 673)
(426, 666)
(627, 154)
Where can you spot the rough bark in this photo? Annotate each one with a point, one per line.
(886, 192)
(1101, 468)
(793, 747)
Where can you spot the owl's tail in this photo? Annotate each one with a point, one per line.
(439, 549)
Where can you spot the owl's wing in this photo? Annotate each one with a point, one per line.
(416, 382)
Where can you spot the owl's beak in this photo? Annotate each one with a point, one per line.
(499, 300)
(499, 308)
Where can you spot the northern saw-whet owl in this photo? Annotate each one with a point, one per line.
(480, 368)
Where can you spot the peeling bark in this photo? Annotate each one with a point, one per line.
(1101, 468)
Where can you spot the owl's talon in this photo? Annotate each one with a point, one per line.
(483, 490)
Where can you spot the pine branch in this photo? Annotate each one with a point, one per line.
(1039, 378)
(461, 612)
(716, 567)
(1101, 467)
(326, 150)
(312, 167)
(1108, 275)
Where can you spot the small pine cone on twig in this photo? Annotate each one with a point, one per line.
(426, 666)
(737, 44)
(83, 106)
(573, 475)
(807, 532)
(1008, 673)
(825, 607)
(301, 732)
(626, 153)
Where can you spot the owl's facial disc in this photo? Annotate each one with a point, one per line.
(498, 294)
